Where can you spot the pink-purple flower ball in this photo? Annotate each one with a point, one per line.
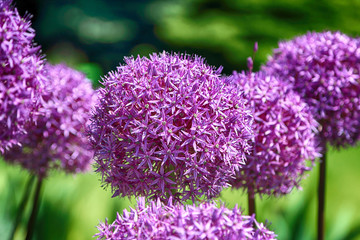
(324, 69)
(284, 131)
(21, 74)
(167, 126)
(58, 140)
(173, 221)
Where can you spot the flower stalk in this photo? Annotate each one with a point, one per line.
(35, 209)
(22, 205)
(251, 202)
(321, 196)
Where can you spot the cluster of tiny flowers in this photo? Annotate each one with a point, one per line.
(58, 140)
(324, 69)
(284, 136)
(21, 74)
(167, 126)
(172, 221)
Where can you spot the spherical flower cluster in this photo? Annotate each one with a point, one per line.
(284, 136)
(21, 74)
(58, 140)
(169, 221)
(324, 69)
(167, 126)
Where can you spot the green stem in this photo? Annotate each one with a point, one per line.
(321, 196)
(35, 208)
(22, 205)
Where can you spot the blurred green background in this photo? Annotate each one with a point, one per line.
(94, 36)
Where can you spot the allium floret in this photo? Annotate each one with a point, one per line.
(324, 69)
(284, 131)
(21, 74)
(58, 140)
(175, 221)
(167, 126)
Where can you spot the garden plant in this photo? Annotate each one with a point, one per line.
(172, 132)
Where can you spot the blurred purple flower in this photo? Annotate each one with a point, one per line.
(175, 222)
(169, 127)
(58, 140)
(21, 74)
(324, 69)
(284, 136)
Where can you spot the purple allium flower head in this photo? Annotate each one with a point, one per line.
(58, 140)
(175, 222)
(324, 69)
(167, 126)
(21, 74)
(284, 136)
